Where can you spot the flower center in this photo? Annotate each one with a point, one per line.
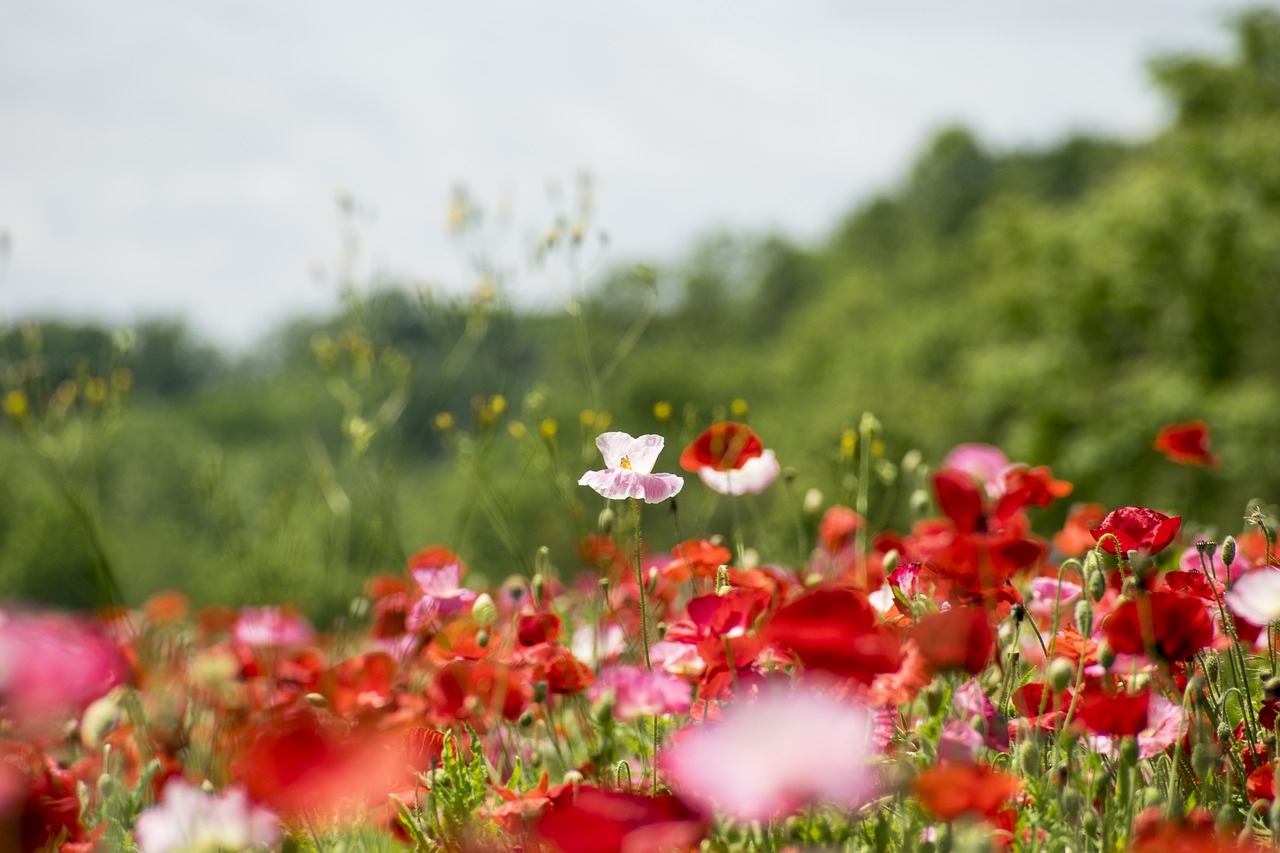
(625, 463)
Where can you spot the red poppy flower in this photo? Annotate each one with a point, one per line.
(1186, 444)
(1115, 715)
(1076, 535)
(839, 524)
(955, 790)
(723, 447)
(696, 558)
(1178, 623)
(1138, 529)
(535, 628)
(565, 674)
(836, 630)
(1044, 708)
(959, 638)
(360, 684)
(596, 821)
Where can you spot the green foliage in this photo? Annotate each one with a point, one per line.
(1063, 303)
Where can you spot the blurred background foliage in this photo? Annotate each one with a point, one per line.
(1063, 303)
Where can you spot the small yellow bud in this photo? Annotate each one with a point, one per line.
(738, 407)
(848, 443)
(548, 428)
(498, 404)
(16, 405)
(95, 390)
(662, 410)
(586, 417)
(444, 421)
(517, 430)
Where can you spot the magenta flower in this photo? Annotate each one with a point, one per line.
(983, 462)
(271, 626)
(770, 757)
(441, 595)
(53, 665)
(628, 469)
(643, 694)
(187, 820)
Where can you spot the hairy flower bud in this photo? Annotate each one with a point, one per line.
(1061, 673)
(1228, 551)
(1084, 617)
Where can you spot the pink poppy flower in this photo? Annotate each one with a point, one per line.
(1255, 597)
(53, 665)
(628, 469)
(188, 819)
(271, 626)
(982, 462)
(770, 757)
(441, 595)
(641, 694)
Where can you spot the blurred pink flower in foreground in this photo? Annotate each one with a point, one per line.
(187, 820)
(770, 757)
(1255, 597)
(628, 469)
(53, 665)
(271, 626)
(640, 694)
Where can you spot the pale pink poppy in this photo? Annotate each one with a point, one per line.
(1255, 597)
(441, 595)
(188, 819)
(983, 462)
(271, 626)
(628, 469)
(753, 477)
(772, 756)
(53, 665)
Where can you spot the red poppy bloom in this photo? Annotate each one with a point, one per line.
(723, 447)
(959, 638)
(836, 630)
(1043, 707)
(1178, 623)
(596, 821)
(955, 790)
(535, 628)
(1186, 444)
(1115, 715)
(696, 558)
(1138, 529)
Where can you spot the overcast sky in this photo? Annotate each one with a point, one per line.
(183, 158)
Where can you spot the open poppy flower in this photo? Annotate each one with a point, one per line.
(1179, 626)
(955, 790)
(722, 447)
(596, 821)
(1114, 714)
(1137, 529)
(836, 630)
(628, 469)
(1186, 444)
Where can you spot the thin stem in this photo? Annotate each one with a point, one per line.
(644, 606)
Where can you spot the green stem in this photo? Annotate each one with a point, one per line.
(644, 606)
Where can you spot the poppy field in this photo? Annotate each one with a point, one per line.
(974, 682)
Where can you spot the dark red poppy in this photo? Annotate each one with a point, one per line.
(1179, 625)
(596, 821)
(39, 796)
(836, 630)
(1116, 715)
(724, 447)
(959, 638)
(534, 628)
(1187, 444)
(1043, 707)
(1138, 529)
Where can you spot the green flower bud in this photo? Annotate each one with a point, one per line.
(1129, 751)
(1084, 616)
(1069, 801)
(1096, 584)
(605, 521)
(1228, 551)
(1029, 758)
(1106, 655)
(482, 639)
(484, 610)
(1061, 674)
(891, 559)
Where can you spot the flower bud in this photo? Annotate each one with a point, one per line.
(482, 639)
(483, 610)
(1271, 688)
(813, 500)
(1228, 551)
(1084, 617)
(891, 559)
(1096, 584)
(1106, 655)
(1029, 758)
(1061, 673)
(604, 521)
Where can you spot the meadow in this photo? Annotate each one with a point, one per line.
(956, 531)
